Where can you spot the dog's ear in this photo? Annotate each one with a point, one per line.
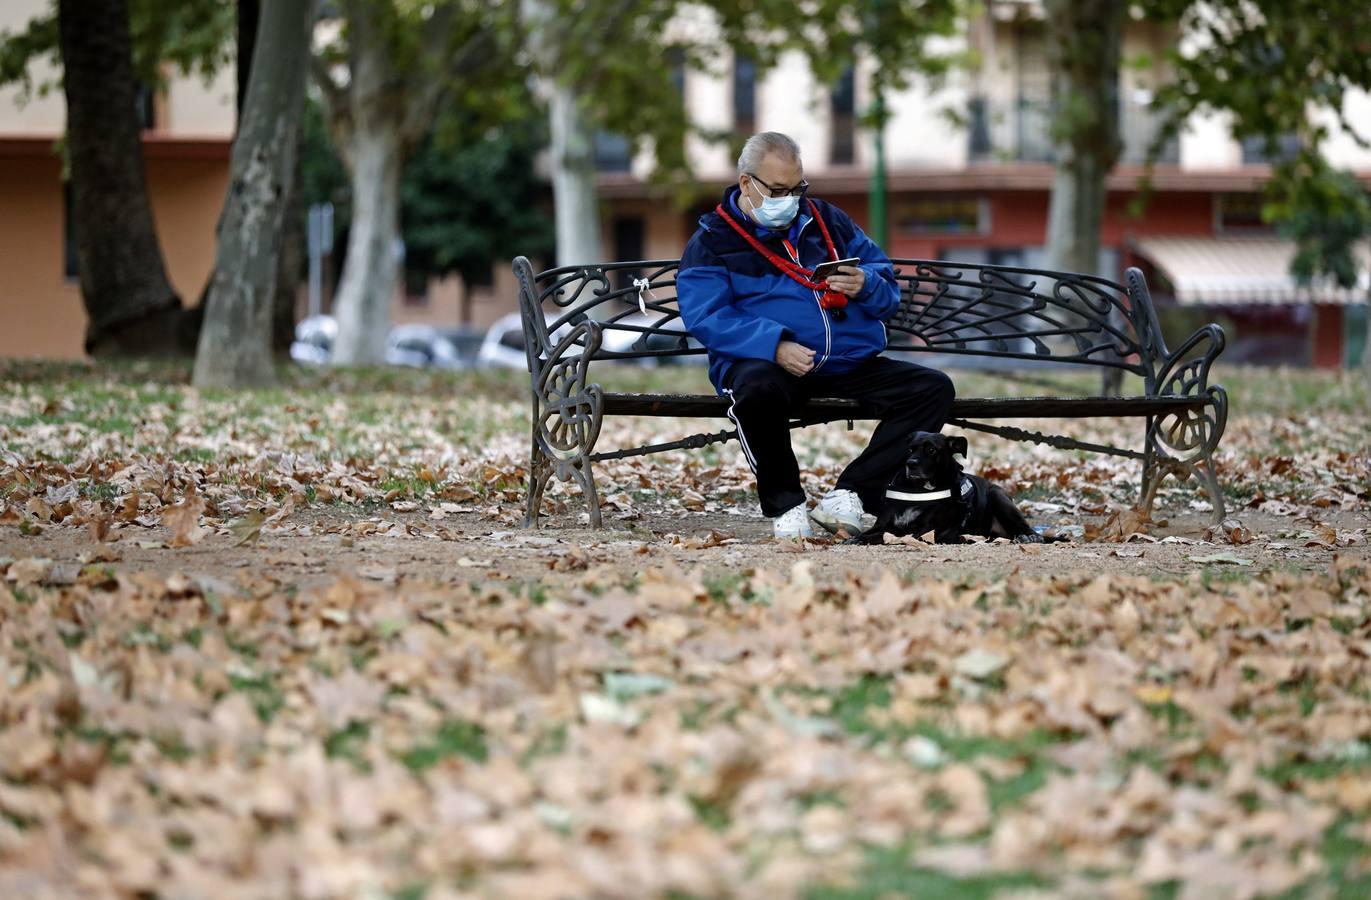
(957, 444)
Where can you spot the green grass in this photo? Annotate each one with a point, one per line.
(890, 873)
(454, 738)
(347, 743)
(722, 585)
(1214, 576)
(1347, 876)
(146, 382)
(851, 706)
(711, 813)
(263, 693)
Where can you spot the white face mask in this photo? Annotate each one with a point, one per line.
(775, 212)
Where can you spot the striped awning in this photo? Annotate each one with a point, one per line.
(1241, 270)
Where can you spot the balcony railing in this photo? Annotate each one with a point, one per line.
(1020, 131)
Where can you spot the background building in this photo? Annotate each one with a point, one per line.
(188, 130)
(970, 175)
(969, 178)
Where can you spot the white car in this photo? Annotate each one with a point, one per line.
(421, 346)
(503, 345)
(314, 338)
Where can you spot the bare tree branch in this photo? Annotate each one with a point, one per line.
(425, 97)
(334, 94)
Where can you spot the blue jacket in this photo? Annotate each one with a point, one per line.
(740, 306)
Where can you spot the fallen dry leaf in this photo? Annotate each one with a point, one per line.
(184, 521)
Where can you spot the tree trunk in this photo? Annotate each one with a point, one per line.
(573, 181)
(1075, 213)
(1083, 51)
(1085, 40)
(235, 340)
(372, 263)
(574, 197)
(132, 306)
(1366, 358)
(292, 264)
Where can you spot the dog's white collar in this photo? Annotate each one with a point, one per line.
(915, 498)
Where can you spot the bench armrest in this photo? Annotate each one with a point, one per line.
(1185, 370)
(1193, 434)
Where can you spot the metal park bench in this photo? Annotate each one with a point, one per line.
(574, 315)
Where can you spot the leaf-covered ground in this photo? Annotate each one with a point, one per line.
(293, 643)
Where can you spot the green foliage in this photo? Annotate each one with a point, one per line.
(407, 62)
(466, 203)
(194, 37)
(182, 36)
(1325, 210)
(18, 50)
(323, 179)
(632, 93)
(624, 64)
(1281, 69)
(469, 194)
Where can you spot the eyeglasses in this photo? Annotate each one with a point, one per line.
(796, 191)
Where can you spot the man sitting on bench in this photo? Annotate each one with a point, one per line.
(776, 336)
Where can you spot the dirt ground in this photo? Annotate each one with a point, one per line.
(316, 546)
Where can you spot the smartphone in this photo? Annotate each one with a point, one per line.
(825, 269)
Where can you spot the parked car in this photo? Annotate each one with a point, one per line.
(314, 337)
(503, 346)
(626, 341)
(421, 346)
(467, 340)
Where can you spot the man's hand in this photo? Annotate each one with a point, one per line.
(794, 358)
(848, 280)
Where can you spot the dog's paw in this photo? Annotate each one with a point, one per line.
(1031, 538)
(866, 538)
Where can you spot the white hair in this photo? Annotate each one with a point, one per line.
(760, 145)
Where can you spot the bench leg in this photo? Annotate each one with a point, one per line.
(1212, 486)
(539, 472)
(1150, 474)
(586, 477)
(1184, 445)
(567, 413)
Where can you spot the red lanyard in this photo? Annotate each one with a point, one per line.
(792, 269)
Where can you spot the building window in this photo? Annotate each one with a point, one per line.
(1033, 96)
(1240, 214)
(844, 107)
(744, 95)
(628, 246)
(941, 215)
(613, 152)
(979, 145)
(416, 287)
(71, 264)
(1255, 150)
(676, 59)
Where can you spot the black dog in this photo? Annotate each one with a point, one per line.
(931, 493)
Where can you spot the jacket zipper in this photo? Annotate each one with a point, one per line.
(823, 313)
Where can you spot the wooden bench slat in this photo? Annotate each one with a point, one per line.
(703, 406)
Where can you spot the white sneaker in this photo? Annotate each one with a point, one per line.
(793, 523)
(839, 509)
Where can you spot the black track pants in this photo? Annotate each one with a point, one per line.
(904, 396)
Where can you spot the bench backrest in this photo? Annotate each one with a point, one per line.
(945, 307)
